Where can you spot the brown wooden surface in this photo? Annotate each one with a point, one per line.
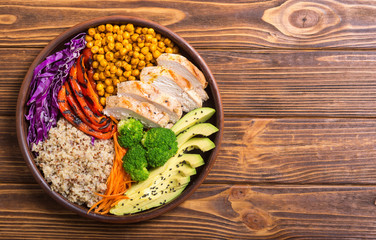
(298, 83)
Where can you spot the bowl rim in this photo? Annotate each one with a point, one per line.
(22, 131)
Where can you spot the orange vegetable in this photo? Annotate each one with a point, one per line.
(117, 183)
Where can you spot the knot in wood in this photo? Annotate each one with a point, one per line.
(7, 19)
(238, 193)
(255, 221)
(304, 18)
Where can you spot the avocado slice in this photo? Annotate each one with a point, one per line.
(160, 171)
(195, 116)
(204, 129)
(194, 160)
(162, 200)
(204, 144)
(154, 194)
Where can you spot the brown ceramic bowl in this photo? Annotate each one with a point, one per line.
(186, 50)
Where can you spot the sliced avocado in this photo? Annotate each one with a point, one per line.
(204, 144)
(162, 200)
(204, 129)
(194, 160)
(171, 188)
(169, 167)
(197, 115)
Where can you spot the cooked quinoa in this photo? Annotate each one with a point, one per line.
(72, 165)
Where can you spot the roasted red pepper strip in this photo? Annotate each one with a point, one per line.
(76, 121)
(77, 109)
(87, 90)
(88, 60)
(96, 119)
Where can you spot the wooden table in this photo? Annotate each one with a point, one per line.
(298, 83)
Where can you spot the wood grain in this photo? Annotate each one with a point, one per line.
(294, 24)
(297, 80)
(268, 83)
(305, 151)
(213, 212)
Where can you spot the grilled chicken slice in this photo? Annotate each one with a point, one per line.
(125, 107)
(168, 82)
(148, 93)
(183, 67)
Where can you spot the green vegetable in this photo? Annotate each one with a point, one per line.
(160, 144)
(130, 131)
(195, 116)
(135, 163)
(204, 129)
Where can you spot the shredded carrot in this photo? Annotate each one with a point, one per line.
(118, 183)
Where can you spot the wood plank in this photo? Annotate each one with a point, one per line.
(213, 212)
(215, 24)
(266, 82)
(325, 151)
(304, 151)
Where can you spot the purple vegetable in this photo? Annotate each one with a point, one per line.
(47, 80)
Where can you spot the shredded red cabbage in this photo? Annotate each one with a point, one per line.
(48, 78)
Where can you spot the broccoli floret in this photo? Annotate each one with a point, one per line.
(160, 144)
(135, 163)
(130, 132)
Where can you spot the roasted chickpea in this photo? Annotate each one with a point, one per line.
(103, 62)
(136, 54)
(113, 69)
(116, 28)
(102, 100)
(126, 35)
(115, 81)
(118, 46)
(168, 50)
(109, 28)
(102, 76)
(101, 28)
(91, 32)
(141, 63)
(98, 43)
(156, 54)
(119, 38)
(119, 72)
(138, 30)
(148, 57)
(153, 47)
(110, 89)
(127, 74)
(151, 31)
(96, 76)
(134, 61)
(94, 49)
(129, 27)
(99, 86)
(135, 72)
(89, 44)
(97, 36)
(123, 51)
(108, 81)
(109, 56)
(101, 92)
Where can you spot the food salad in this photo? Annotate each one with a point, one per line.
(113, 118)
